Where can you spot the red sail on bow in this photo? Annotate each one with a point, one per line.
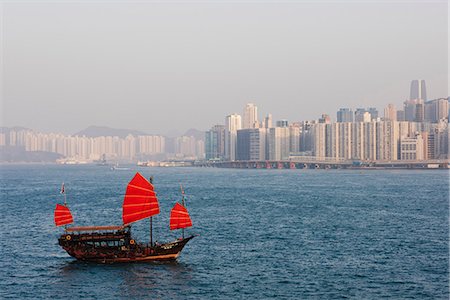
(62, 215)
(140, 200)
(179, 217)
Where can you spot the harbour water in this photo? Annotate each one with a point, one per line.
(262, 234)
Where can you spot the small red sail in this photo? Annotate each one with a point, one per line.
(179, 217)
(140, 200)
(62, 215)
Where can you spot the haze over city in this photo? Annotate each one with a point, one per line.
(159, 67)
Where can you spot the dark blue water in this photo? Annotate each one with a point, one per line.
(263, 234)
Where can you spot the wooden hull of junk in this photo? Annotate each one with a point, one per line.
(117, 246)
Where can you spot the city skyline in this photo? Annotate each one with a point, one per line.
(159, 66)
(419, 131)
(342, 114)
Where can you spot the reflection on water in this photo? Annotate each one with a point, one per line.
(131, 280)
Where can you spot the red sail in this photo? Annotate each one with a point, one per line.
(179, 217)
(62, 215)
(140, 200)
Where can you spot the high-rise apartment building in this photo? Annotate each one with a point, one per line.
(345, 115)
(436, 110)
(319, 145)
(250, 116)
(268, 121)
(215, 143)
(294, 138)
(325, 119)
(390, 113)
(278, 143)
(373, 113)
(233, 123)
(418, 90)
(411, 148)
(359, 114)
(410, 108)
(251, 144)
(282, 123)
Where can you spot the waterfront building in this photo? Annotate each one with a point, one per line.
(215, 143)
(294, 138)
(200, 149)
(250, 116)
(306, 136)
(319, 145)
(345, 140)
(345, 115)
(233, 123)
(186, 146)
(370, 141)
(151, 144)
(358, 140)
(332, 140)
(251, 144)
(411, 148)
(387, 140)
(278, 143)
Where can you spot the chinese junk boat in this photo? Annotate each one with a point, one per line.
(108, 244)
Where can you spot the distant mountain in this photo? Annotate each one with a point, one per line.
(198, 134)
(95, 131)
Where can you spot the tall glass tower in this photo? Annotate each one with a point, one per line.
(418, 90)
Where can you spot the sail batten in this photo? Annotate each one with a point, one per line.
(63, 216)
(140, 200)
(179, 217)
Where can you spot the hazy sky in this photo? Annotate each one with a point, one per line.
(158, 66)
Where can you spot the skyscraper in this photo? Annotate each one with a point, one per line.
(215, 142)
(268, 121)
(278, 143)
(282, 123)
(345, 115)
(390, 113)
(233, 123)
(250, 119)
(373, 113)
(251, 144)
(362, 115)
(418, 90)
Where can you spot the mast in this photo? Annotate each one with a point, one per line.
(151, 231)
(182, 200)
(63, 191)
(151, 219)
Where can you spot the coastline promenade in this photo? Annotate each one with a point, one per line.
(327, 163)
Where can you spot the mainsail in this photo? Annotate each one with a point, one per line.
(179, 217)
(140, 200)
(62, 215)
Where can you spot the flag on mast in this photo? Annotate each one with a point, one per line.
(62, 189)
